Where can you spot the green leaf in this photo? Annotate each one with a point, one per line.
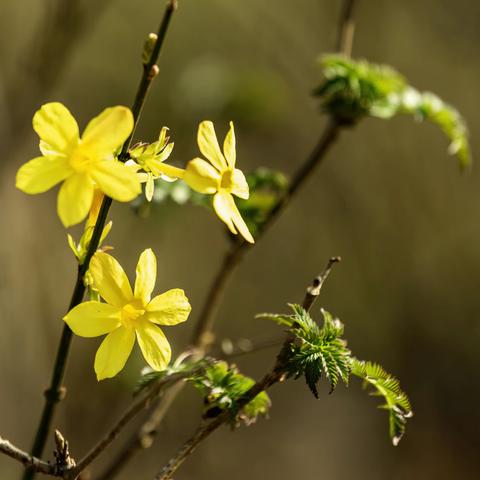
(396, 401)
(317, 350)
(354, 89)
(221, 386)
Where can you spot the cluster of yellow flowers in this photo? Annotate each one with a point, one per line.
(89, 168)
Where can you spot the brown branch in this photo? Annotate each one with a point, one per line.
(346, 28)
(276, 375)
(131, 412)
(25, 458)
(203, 337)
(65, 466)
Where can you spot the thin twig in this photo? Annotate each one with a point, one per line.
(276, 375)
(28, 460)
(346, 28)
(202, 337)
(131, 412)
(314, 290)
(56, 392)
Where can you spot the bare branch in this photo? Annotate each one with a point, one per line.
(346, 28)
(25, 458)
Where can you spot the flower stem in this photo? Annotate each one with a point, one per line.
(56, 391)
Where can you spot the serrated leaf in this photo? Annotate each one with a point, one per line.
(317, 350)
(387, 386)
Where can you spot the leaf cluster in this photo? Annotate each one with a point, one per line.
(221, 386)
(354, 89)
(321, 350)
(385, 385)
(316, 350)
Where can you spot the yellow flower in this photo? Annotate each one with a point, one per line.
(128, 314)
(219, 177)
(81, 163)
(150, 158)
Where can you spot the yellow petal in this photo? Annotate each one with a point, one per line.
(114, 352)
(240, 224)
(42, 173)
(56, 126)
(239, 184)
(170, 171)
(149, 187)
(146, 276)
(108, 131)
(222, 205)
(201, 176)
(208, 144)
(116, 180)
(92, 319)
(110, 280)
(98, 197)
(154, 345)
(228, 212)
(229, 147)
(75, 199)
(166, 152)
(169, 308)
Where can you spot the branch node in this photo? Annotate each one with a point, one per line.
(55, 395)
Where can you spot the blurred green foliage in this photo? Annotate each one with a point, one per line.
(354, 89)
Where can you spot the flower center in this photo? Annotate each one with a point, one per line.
(226, 181)
(79, 160)
(131, 313)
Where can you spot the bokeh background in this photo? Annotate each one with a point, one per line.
(388, 199)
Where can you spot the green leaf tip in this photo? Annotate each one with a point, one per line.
(396, 401)
(354, 89)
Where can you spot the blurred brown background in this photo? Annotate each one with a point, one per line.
(388, 199)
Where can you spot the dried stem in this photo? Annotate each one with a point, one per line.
(56, 392)
(276, 375)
